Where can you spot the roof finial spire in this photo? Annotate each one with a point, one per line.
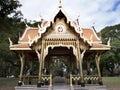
(60, 4)
(25, 21)
(78, 19)
(60, 1)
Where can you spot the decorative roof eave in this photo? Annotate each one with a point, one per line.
(96, 42)
(94, 31)
(63, 11)
(99, 49)
(15, 49)
(23, 42)
(20, 47)
(79, 30)
(41, 30)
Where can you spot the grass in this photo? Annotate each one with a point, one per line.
(112, 83)
(8, 83)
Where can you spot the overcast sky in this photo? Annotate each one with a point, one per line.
(101, 12)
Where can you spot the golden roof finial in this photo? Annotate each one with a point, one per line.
(25, 21)
(10, 41)
(108, 42)
(60, 1)
(78, 19)
(78, 16)
(60, 4)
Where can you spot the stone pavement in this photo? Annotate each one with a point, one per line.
(90, 87)
(62, 87)
(59, 84)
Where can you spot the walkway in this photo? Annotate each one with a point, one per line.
(61, 87)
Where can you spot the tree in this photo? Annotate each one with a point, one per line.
(10, 26)
(110, 59)
(8, 7)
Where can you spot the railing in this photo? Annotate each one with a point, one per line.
(30, 79)
(75, 79)
(46, 79)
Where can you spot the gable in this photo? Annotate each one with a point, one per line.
(60, 30)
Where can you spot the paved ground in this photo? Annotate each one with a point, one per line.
(61, 87)
(87, 87)
(112, 83)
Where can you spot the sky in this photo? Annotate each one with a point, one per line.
(97, 13)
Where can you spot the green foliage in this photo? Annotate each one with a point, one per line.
(8, 7)
(9, 27)
(111, 58)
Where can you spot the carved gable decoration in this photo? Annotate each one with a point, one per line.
(60, 30)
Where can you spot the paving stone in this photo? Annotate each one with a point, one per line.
(61, 86)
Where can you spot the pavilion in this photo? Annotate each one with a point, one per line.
(60, 37)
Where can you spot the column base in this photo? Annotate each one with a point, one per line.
(42, 83)
(82, 84)
(89, 81)
(100, 83)
(39, 84)
(20, 83)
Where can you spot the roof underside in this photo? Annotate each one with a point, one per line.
(26, 46)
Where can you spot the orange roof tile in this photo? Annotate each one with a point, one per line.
(89, 33)
(32, 33)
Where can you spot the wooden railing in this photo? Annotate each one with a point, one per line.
(87, 79)
(46, 79)
(30, 79)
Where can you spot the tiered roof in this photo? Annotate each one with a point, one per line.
(31, 34)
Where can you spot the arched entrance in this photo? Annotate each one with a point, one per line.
(60, 62)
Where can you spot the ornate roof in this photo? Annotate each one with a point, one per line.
(90, 34)
(20, 47)
(31, 35)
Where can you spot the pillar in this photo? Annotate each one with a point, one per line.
(43, 59)
(88, 67)
(40, 58)
(30, 65)
(97, 58)
(22, 57)
(40, 68)
(88, 70)
(81, 69)
(43, 55)
(80, 60)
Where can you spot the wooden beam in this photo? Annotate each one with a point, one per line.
(97, 59)
(22, 57)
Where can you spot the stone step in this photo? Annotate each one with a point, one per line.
(90, 87)
(61, 87)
